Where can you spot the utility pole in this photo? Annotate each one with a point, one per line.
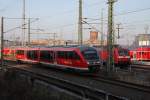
(146, 29)
(54, 35)
(80, 34)
(146, 32)
(2, 42)
(23, 25)
(29, 32)
(110, 35)
(102, 38)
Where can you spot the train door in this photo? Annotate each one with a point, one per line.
(148, 56)
(116, 55)
(20, 54)
(64, 58)
(134, 55)
(76, 60)
(69, 58)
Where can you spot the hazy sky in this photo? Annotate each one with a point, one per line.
(61, 16)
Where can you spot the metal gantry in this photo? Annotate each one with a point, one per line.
(23, 25)
(2, 42)
(29, 32)
(110, 35)
(102, 19)
(80, 32)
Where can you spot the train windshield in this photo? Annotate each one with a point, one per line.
(90, 54)
(123, 52)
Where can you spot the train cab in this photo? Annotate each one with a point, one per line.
(123, 57)
(91, 57)
(120, 55)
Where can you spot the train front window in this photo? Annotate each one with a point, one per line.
(90, 55)
(123, 52)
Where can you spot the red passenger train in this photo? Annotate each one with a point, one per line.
(140, 54)
(120, 55)
(73, 57)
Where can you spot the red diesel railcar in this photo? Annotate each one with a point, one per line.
(77, 57)
(140, 54)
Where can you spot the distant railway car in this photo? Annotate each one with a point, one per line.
(9, 53)
(30, 55)
(140, 54)
(78, 57)
(120, 55)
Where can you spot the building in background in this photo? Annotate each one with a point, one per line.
(141, 40)
(94, 40)
(93, 36)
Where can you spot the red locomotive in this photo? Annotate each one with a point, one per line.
(9, 54)
(77, 57)
(120, 55)
(140, 54)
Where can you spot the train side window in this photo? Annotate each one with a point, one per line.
(20, 52)
(70, 55)
(76, 56)
(46, 55)
(61, 54)
(32, 54)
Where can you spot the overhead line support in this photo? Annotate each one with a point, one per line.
(110, 35)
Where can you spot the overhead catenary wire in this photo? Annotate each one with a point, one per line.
(125, 13)
(9, 30)
(131, 12)
(6, 6)
(72, 11)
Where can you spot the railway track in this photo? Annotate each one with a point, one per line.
(140, 66)
(80, 89)
(123, 83)
(93, 80)
(112, 80)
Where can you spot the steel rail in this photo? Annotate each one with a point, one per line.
(82, 90)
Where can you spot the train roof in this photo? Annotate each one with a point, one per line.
(68, 48)
(81, 47)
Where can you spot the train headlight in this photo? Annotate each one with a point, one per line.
(88, 62)
(98, 62)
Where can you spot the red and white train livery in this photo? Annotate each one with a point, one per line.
(77, 57)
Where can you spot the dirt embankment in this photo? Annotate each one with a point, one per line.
(12, 88)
